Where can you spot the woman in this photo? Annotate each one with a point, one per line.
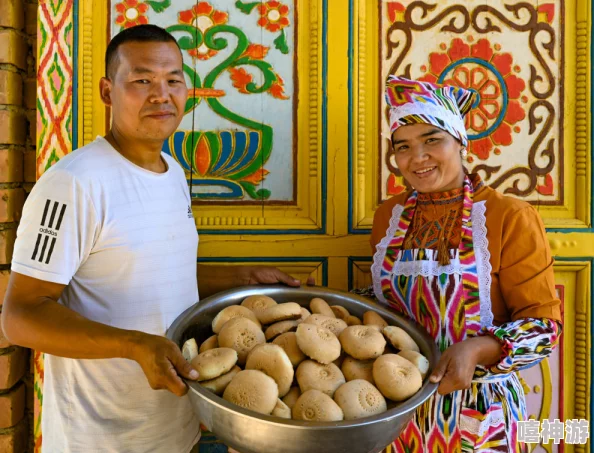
(471, 266)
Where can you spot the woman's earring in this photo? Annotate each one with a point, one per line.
(463, 153)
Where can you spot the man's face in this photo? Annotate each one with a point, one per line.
(147, 91)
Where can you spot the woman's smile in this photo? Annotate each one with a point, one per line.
(425, 172)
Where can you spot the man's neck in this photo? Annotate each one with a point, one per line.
(146, 155)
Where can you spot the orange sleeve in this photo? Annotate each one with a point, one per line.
(381, 219)
(526, 274)
(378, 230)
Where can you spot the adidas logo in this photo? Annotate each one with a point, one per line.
(190, 216)
(46, 231)
(50, 223)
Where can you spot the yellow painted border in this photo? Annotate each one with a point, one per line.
(365, 118)
(92, 23)
(307, 213)
(576, 211)
(571, 245)
(361, 273)
(583, 119)
(576, 277)
(338, 118)
(284, 245)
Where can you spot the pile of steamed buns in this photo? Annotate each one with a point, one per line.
(321, 364)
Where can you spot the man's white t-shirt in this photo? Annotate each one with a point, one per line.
(124, 241)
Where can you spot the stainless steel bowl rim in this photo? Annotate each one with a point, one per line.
(416, 400)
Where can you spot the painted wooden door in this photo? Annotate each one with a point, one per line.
(284, 140)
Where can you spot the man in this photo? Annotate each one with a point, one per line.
(104, 262)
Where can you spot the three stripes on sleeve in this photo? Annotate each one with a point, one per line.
(48, 233)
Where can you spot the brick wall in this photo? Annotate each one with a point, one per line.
(18, 34)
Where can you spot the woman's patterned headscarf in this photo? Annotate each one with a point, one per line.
(415, 102)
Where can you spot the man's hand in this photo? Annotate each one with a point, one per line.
(162, 363)
(260, 275)
(458, 362)
(214, 279)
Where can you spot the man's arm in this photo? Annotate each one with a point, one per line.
(214, 279)
(32, 317)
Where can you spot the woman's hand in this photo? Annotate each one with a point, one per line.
(458, 362)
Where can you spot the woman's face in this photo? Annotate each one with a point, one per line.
(428, 158)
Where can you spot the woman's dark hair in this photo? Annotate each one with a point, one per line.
(139, 33)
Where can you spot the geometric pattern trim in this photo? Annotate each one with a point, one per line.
(54, 125)
(54, 82)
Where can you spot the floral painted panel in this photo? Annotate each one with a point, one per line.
(238, 140)
(511, 54)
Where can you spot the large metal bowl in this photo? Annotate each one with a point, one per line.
(249, 432)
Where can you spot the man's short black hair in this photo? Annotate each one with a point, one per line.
(138, 33)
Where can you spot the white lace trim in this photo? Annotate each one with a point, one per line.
(417, 108)
(479, 427)
(427, 268)
(483, 261)
(469, 424)
(380, 252)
